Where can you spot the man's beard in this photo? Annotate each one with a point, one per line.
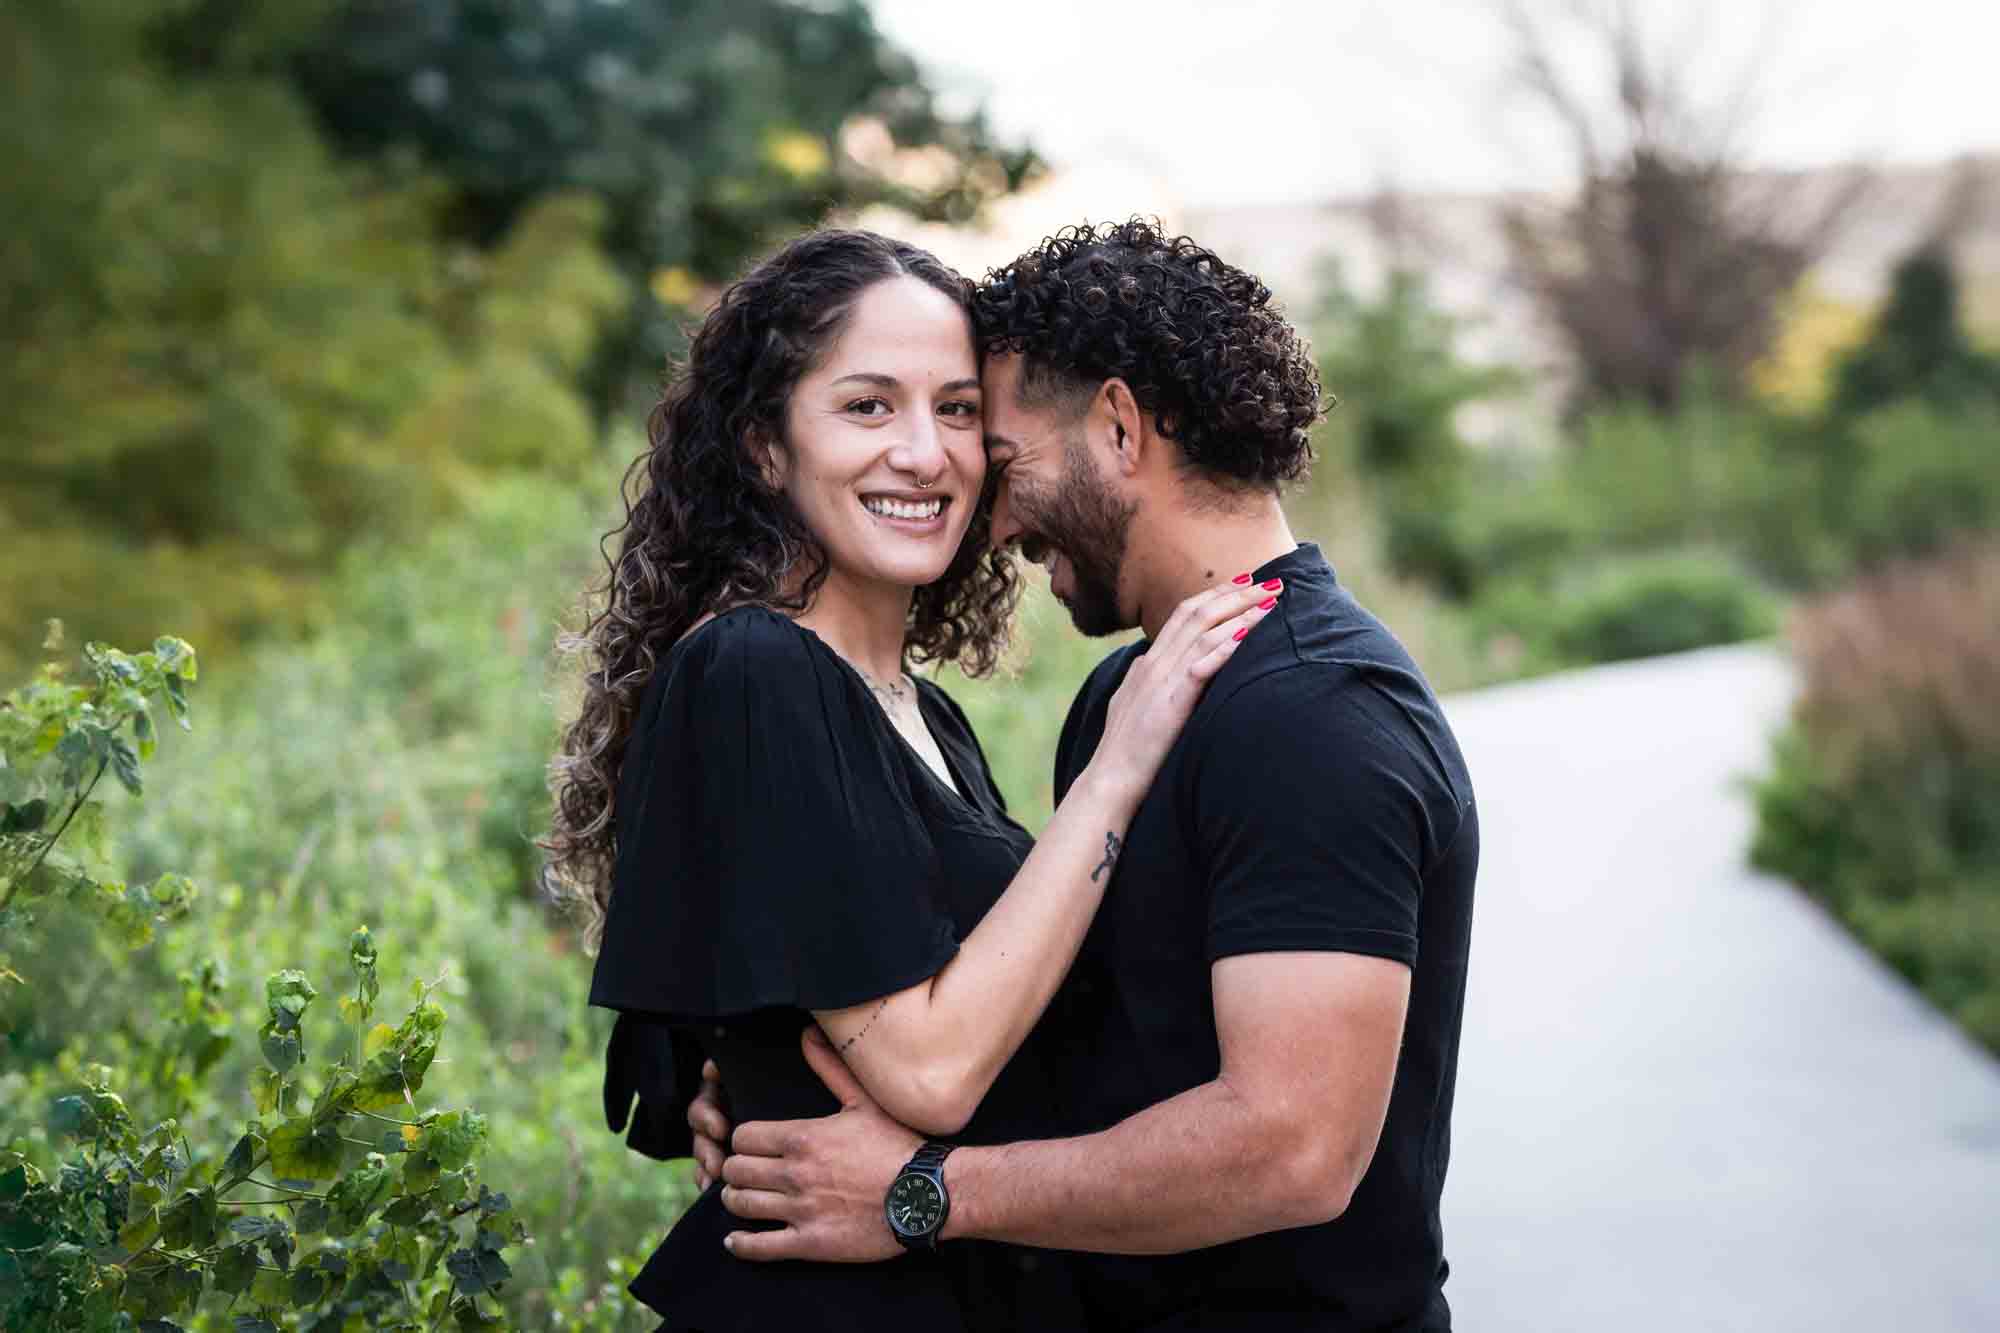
(1088, 525)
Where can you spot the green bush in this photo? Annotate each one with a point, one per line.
(1626, 607)
(1879, 800)
(368, 1214)
(389, 771)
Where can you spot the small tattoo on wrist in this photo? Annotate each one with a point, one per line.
(1111, 849)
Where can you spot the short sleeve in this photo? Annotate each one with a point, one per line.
(652, 1072)
(1317, 812)
(770, 851)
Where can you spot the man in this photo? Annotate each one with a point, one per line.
(1260, 1035)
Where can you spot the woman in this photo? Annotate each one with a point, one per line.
(772, 823)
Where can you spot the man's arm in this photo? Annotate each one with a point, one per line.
(1279, 1138)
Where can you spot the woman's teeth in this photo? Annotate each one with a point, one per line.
(903, 508)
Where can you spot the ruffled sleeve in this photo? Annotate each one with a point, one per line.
(770, 850)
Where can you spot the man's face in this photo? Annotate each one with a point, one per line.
(1053, 501)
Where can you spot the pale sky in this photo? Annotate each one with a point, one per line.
(1284, 101)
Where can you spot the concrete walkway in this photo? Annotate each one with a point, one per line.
(1686, 1100)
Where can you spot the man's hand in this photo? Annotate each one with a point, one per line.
(710, 1124)
(824, 1179)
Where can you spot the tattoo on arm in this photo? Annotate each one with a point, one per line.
(865, 1026)
(1111, 848)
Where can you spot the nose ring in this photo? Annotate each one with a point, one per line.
(926, 485)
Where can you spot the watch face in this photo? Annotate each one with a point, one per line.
(916, 1204)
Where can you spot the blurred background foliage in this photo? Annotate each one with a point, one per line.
(330, 328)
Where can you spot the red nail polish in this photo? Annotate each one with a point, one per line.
(1267, 604)
(1240, 633)
(1241, 578)
(1272, 585)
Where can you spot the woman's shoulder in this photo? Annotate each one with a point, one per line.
(749, 648)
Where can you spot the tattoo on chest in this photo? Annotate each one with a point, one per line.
(1111, 849)
(865, 1026)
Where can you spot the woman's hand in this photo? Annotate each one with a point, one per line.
(1163, 685)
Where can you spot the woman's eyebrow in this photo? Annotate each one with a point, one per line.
(882, 381)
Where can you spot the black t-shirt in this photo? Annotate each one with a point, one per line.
(782, 849)
(1315, 801)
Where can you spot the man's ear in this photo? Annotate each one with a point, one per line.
(1122, 419)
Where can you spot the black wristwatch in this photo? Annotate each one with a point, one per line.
(918, 1204)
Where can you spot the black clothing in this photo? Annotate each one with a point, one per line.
(1315, 801)
(781, 849)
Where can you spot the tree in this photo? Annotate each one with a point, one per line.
(1669, 255)
(710, 128)
(1394, 364)
(1918, 347)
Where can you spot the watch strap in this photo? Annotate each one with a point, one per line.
(930, 1157)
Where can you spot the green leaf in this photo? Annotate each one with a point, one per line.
(74, 751)
(14, 1183)
(359, 1192)
(337, 1097)
(139, 1230)
(267, 1088)
(467, 1314)
(235, 1269)
(466, 1268)
(177, 702)
(301, 1150)
(72, 1115)
(125, 763)
(309, 1286)
(24, 818)
(407, 1210)
(282, 1050)
(420, 1172)
(288, 992)
(142, 727)
(245, 1152)
(311, 1217)
(453, 1137)
(377, 1039)
(191, 1222)
(278, 1242)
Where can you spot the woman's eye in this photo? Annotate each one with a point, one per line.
(960, 408)
(867, 407)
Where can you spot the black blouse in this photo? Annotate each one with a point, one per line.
(781, 849)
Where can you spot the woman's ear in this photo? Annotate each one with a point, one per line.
(769, 458)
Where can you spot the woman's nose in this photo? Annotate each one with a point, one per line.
(921, 452)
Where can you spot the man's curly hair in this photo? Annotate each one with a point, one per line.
(1198, 341)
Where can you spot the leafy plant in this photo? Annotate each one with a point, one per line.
(1879, 798)
(341, 1203)
(57, 741)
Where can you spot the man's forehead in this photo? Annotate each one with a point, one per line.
(1001, 372)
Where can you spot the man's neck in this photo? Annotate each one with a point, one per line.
(1196, 550)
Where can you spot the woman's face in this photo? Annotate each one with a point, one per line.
(891, 406)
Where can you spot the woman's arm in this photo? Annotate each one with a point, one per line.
(928, 1054)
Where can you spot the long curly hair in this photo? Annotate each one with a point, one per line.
(1199, 343)
(707, 531)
